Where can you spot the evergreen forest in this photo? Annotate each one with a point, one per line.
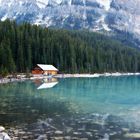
(25, 45)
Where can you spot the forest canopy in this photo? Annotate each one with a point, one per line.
(25, 45)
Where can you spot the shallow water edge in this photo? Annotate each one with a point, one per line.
(22, 77)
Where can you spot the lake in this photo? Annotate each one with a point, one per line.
(72, 108)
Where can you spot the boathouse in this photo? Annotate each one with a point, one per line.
(45, 69)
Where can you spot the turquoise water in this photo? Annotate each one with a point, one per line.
(100, 106)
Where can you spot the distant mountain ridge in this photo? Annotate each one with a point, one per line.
(94, 15)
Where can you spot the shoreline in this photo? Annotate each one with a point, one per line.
(95, 75)
(22, 77)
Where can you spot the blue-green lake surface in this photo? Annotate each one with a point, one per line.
(72, 108)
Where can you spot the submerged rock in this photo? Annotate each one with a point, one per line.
(125, 129)
(132, 135)
(106, 137)
(89, 134)
(4, 136)
(42, 137)
(76, 133)
(2, 128)
(69, 129)
(58, 138)
(112, 133)
(67, 138)
(58, 132)
(83, 138)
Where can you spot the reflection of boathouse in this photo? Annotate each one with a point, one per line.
(48, 83)
(45, 69)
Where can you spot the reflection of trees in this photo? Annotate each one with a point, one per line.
(22, 102)
(102, 93)
(103, 85)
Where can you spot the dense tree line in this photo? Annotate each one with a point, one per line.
(23, 46)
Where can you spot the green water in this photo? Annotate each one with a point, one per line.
(110, 101)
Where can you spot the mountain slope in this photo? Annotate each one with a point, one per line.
(75, 14)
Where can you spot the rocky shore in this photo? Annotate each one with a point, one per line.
(90, 127)
(23, 77)
(3, 134)
(7, 80)
(95, 75)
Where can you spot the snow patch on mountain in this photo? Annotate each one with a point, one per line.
(42, 3)
(109, 15)
(101, 21)
(4, 17)
(45, 22)
(54, 2)
(105, 3)
(70, 2)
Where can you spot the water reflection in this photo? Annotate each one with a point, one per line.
(118, 96)
(48, 83)
(20, 100)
